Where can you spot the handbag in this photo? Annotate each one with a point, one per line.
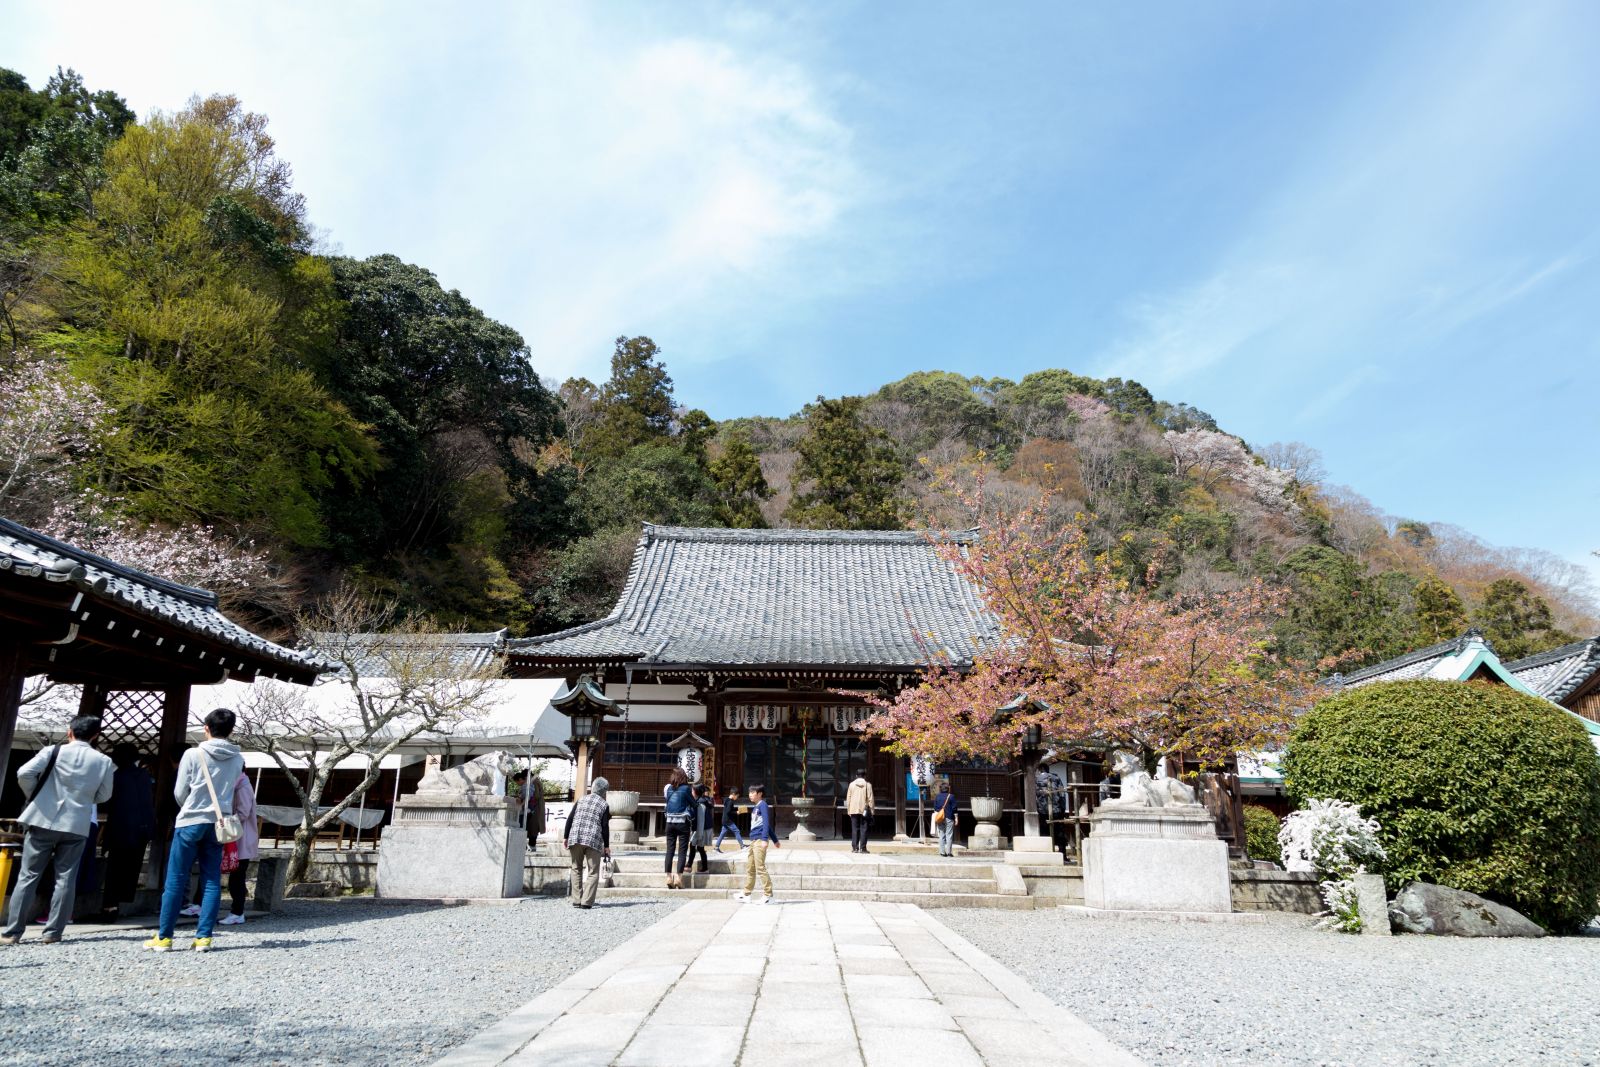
(607, 871)
(229, 827)
(230, 857)
(938, 816)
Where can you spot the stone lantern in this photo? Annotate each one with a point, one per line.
(1033, 847)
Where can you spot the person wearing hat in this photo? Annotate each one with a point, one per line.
(588, 838)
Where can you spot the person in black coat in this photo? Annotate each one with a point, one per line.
(130, 823)
(705, 815)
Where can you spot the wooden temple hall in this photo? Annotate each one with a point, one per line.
(134, 642)
(745, 637)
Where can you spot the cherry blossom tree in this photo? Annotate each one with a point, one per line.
(1211, 457)
(1110, 662)
(50, 425)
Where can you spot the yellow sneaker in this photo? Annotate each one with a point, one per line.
(159, 944)
(202, 944)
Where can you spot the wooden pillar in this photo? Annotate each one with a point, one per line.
(11, 678)
(174, 736)
(93, 701)
(580, 774)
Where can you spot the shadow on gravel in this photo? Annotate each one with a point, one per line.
(259, 946)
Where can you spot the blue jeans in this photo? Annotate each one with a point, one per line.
(189, 843)
(727, 826)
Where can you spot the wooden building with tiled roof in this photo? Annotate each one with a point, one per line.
(135, 642)
(747, 635)
(1569, 676)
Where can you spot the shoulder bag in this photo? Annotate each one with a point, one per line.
(229, 828)
(50, 765)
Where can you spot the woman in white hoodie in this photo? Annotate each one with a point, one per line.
(195, 830)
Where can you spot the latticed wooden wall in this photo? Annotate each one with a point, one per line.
(133, 716)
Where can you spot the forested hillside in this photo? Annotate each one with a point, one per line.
(194, 386)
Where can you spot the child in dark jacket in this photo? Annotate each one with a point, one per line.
(730, 819)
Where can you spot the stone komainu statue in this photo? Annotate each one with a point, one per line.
(475, 777)
(1140, 790)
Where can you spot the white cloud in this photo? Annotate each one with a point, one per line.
(577, 175)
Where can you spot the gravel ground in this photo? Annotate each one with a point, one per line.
(1284, 993)
(319, 982)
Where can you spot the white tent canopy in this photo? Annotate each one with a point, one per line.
(521, 720)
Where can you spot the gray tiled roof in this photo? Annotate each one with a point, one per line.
(1406, 667)
(1557, 674)
(469, 651)
(812, 597)
(30, 554)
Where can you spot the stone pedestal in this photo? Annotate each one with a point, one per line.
(623, 803)
(1155, 860)
(446, 846)
(801, 834)
(1034, 852)
(986, 835)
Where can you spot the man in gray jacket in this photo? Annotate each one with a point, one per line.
(204, 790)
(64, 783)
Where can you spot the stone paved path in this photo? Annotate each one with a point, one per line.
(808, 983)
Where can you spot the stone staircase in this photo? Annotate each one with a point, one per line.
(942, 884)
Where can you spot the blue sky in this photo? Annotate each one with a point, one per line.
(1369, 227)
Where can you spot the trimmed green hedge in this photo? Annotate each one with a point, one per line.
(1475, 785)
(1261, 833)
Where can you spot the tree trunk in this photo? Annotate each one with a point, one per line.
(300, 858)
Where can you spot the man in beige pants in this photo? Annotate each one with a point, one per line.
(762, 834)
(588, 837)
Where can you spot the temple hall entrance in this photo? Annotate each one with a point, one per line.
(784, 761)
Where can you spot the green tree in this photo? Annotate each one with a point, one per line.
(652, 483)
(1440, 615)
(947, 405)
(197, 328)
(695, 431)
(51, 147)
(1336, 609)
(853, 471)
(1516, 620)
(635, 405)
(453, 400)
(741, 487)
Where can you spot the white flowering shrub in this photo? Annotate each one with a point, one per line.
(1339, 896)
(1331, 839)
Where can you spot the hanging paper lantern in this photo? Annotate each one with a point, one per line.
(769, 717)
(751, 716)
(921, 770)
(689, 763)
(730, 717)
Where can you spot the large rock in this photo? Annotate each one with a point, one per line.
(1422, 908)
